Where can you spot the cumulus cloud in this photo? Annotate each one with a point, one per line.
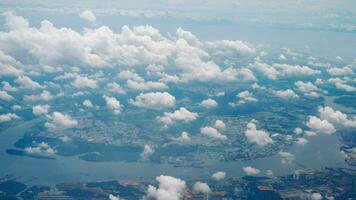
(219, 124)
(170, 188)
(7, 87)
(259, 137)
(308, 88)
(87, 15)
(336, 117)
(115, 88)
(87, 103)
(149, 85)
(340, 71)
(245, 97)
(126, 74)
(113, 103)
(136, 46)
(44, 96)
(302, 141)
(40, 109)
(250, 171)
(147, 152)
(212, 132)
(318, 126)
(286, 157)
(184, 137)
(154, 100)
(27, 82)
(345, 87)
(84, 82)
(113, 197)
(5, 96)
(60, 121)
(201, 187)
(286, 94)
(8, 117)
(275, 70)
(209, 103)
(182, 114)
(218, 176)
(316, 196)
(42, 148)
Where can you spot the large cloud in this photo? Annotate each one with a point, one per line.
(212, 132)
(336, 117)
(5, 96)
(8, 117)
(169, 188)
(113, 103)
(154, 100)
(61, 121)
(259, 137)
(40, 109)
(318, 126)
(101, 47)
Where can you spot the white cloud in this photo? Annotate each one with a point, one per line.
(61, 121)
(345, 87)
(84, 82)
(308, 88)
(42, 148)
(201, 187)
(209, 103)
(113, 103)
(212, 132)
(340, 71)
(7, 87)
(27, 82)
(286, 157)
(169, 188)
(179, 115)
(149, 85)
(250, 171)
(302, 141)
(88, 15)
(316, 196)
(130, 75)
(245, 97)
(136, 46)
(8, 117)
(298, 131)
(259, 137)
(5, 96)
(112, 197)
(115, 88)
(184, 137)
(219, 124)
(16, 107)
(218, 176)
(318, 126)
(275, 70)
(154, 100)
(44, 96)
(229, 48)
(336, 117)
(87, 103)
(147, 152)
(40, 109)
(286, 94)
